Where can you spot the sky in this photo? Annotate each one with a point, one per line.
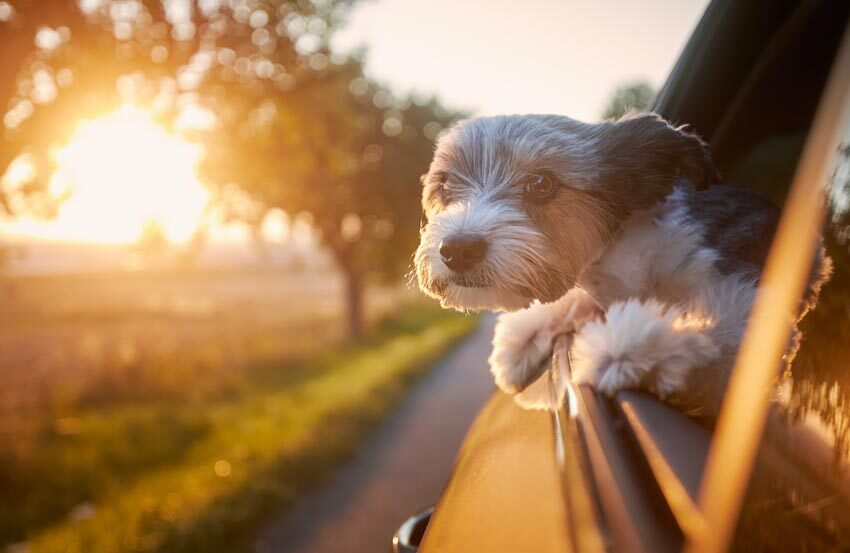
(507, 56)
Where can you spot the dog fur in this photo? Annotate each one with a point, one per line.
(634, 249)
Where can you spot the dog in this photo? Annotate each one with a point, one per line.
(616, 232)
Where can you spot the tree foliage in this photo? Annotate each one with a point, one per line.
(349, 159)
(63, 62)
(635, 96)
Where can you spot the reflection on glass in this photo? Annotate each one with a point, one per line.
(819, 383)
(799, 496)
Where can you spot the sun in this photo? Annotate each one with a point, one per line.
(123, 172)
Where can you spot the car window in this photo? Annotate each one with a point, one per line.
(763, 129)
(798, 497)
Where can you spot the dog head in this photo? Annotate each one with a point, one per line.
(517, 207)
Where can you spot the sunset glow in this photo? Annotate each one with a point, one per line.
(123, 171)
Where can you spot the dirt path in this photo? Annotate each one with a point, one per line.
(400, 469)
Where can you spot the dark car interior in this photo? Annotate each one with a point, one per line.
(752, 90)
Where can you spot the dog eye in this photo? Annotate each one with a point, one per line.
(539, 187)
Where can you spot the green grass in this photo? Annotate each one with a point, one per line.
(202, 477)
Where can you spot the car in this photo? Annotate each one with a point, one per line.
(767, 84)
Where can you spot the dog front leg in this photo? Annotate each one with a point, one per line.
(523, 340)
(642, 344)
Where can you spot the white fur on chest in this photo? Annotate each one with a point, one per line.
(655, 255)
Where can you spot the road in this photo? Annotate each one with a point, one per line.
(402, 468)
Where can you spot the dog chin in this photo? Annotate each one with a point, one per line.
(489, 298)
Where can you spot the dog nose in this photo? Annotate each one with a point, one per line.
(463, 252)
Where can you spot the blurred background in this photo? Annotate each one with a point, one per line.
(207, 215)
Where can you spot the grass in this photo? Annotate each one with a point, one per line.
(202, 477)
(72, 342)
(105, 377)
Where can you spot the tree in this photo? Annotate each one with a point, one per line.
(67, 60)
(636, 96)
(343, 150)
(61, 63)
(298, 127)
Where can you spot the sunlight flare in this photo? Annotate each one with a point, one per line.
(123, 172)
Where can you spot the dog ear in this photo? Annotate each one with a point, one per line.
(646, 155)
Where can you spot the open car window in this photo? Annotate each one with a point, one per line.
(799, 494)
(798, 498)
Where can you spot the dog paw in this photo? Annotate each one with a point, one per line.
(521, 344)
(618, 375)
(640, 345)
(523, 340)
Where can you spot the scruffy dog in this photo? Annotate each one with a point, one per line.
(610, 231)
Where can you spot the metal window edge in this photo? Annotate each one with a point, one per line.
(632, 517)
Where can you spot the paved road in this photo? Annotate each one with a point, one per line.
(400, 469)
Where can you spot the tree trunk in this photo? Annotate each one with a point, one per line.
(353, 302)
(346, 260)
(353, 290)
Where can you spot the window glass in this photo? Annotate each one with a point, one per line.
(799, 496)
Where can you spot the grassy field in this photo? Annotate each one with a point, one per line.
(194, 458)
